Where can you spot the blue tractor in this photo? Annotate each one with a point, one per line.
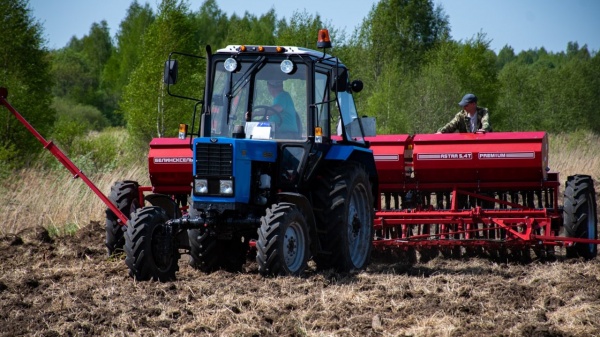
(280, 163)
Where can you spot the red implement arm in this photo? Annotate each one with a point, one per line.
(48, 145)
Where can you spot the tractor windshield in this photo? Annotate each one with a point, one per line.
(260, 100)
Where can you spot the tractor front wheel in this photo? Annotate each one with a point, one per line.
(283, 245)
(150, 246)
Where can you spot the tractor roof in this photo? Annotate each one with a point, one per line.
(287, 50)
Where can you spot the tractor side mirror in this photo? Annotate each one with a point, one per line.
(339, 79)
(170, 74)
(356, 86)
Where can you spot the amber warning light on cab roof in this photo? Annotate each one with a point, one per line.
(323, 40)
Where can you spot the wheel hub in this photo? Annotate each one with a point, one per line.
(162, 247)
(290, 246)
(355, 225)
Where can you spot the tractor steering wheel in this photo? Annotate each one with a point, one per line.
(268, 110)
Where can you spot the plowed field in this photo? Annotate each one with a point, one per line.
(67, 286)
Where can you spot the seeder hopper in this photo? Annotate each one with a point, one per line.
(487, 193)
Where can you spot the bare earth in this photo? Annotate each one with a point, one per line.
(68, 287)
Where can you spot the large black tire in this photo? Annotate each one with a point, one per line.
(150, 246)
(203, 250)
(124, 195)
(579, 215)
(283, 245)
(345, 221)
(207, 253)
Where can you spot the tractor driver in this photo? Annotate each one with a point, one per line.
(471, 118)
(285, 119)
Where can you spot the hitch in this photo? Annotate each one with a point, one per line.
(186, 223)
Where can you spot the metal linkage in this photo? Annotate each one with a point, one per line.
(62, 158)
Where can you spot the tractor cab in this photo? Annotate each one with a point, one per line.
(253, 98)
(279, 93)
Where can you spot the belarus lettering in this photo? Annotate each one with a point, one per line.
(174, 160)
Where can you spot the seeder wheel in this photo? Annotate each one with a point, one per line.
(579, 215)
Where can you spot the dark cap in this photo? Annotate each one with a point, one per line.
(468, 98)
(275, 83)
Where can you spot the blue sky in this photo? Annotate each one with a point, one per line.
(522, 24)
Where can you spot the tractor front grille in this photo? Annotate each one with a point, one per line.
(214, 159)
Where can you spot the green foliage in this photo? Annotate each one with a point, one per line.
(87, 115)
(125, 57)
(400, 32)
(67, 229)
(74, 78)
(514, 106)
(96, 47)
(551, 92)
(211, 24)
(252, 30)
(92, 151)
(301, 31)
(388, 53)
(506, 55)
(25, 71)
(65, 131)
(74, 120)
(103, 149)
(422, 101)
(476, 66)
(78, 68)
(432, 95)
(8, 155)
(171, 31)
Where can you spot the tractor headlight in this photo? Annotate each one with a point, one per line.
(200, 186)
(230, 65)
(226, 187)
(287, 66)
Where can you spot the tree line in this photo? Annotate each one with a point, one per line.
(414, 73)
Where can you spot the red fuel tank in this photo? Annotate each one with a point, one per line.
(480, 157)
(170, 165)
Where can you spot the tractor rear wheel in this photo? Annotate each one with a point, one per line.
(150, 246)
(208, 253)
(203, 250)
(345, 221)
(124, 195)
(579, 215)
(283, 245)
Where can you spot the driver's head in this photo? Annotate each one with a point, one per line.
(275, 86)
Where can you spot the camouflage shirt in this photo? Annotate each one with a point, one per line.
(461, 122)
